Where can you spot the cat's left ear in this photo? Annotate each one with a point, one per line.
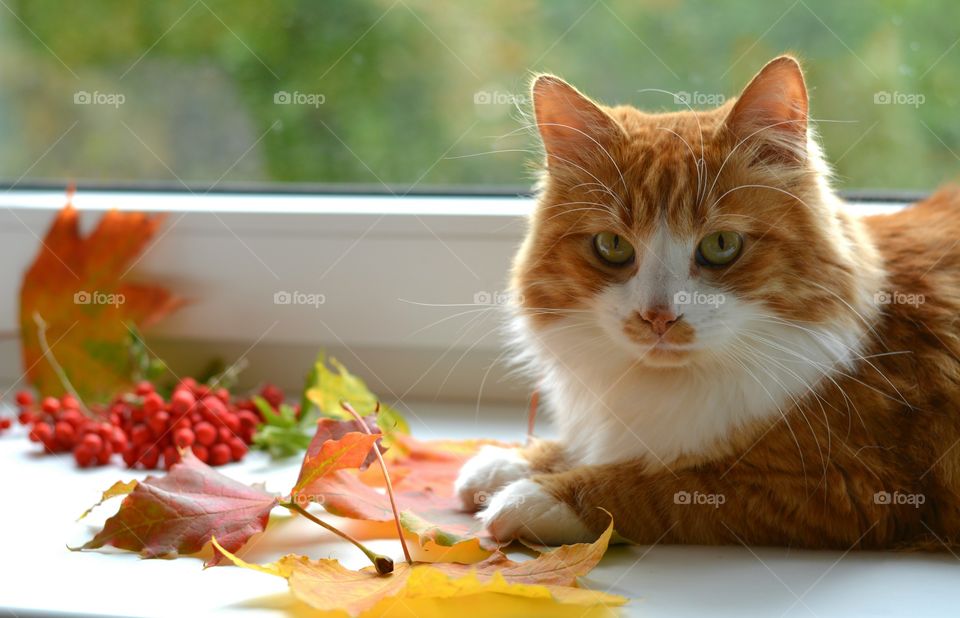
(772, 110)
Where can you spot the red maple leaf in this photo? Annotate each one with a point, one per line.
(179, 513)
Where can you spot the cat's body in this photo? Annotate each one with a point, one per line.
(803, 392)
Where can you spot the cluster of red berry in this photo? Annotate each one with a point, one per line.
(146, 430)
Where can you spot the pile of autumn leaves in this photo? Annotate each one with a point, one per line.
(194, 505)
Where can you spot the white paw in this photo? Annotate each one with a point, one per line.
(525, 509)
(486, 472)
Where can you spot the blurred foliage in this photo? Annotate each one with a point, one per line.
(418, 92)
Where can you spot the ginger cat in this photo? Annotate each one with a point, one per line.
(729, 353)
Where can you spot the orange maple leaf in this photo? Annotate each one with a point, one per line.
(75, 285)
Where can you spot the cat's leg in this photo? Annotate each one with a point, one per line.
(494, 467)
(709, 505)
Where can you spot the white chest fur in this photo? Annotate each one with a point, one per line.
(610, 408)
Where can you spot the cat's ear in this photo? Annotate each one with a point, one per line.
(573, 127)
(772, 111)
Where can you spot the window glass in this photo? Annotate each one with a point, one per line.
(417, 94)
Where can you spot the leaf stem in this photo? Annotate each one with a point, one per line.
(386, 477)
(57, 368)
(383, 564)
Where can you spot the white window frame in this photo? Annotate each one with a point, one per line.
(379, 262)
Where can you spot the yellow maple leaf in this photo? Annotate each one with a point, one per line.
(544, 584)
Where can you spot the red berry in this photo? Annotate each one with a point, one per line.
(184, 438)
(50, 405)
(139, 435)
(273, 395)
(224, 435)
(206, 433)
(201, 452)
(105, 430)
(170, 456)
(158, 423)
(188, 383)
(248, 418)
(103, 457)
(232, 422)
(5, 423)
(183, 423)
(69, 402)
(64, 433)
(181, 402)
(24, 399)
(149, 458)
(144, 388)
(195, 417)
(219, 454)
(222, 394)
(83, 456)
(26, 417)
(213, 406)
(152, 403)
(73, 417)
(237, 449)
(130, 455)
(93, 442)
(119, 440)
(41, 432)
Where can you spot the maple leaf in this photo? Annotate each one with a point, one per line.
(551, 577)
(120, 488)
(327, 389)
(423, 474)
(330, 429)
(74, 284)
(326, 456)
(179, 513)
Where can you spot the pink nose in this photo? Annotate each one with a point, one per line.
(660, 319)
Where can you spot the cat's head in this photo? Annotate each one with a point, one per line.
(674, 239)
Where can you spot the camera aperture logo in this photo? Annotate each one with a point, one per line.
(698, 498)
(699, 298)
(84, 297)
(113, 99)
(314, 99)
(884, 297)
(898, 498)
(296, 297)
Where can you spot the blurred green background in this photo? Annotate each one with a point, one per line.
(420, 94)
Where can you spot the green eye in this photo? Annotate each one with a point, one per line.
(612, 248)
(719, 249)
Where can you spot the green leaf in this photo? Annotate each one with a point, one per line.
(281, 434)
(332, 387)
